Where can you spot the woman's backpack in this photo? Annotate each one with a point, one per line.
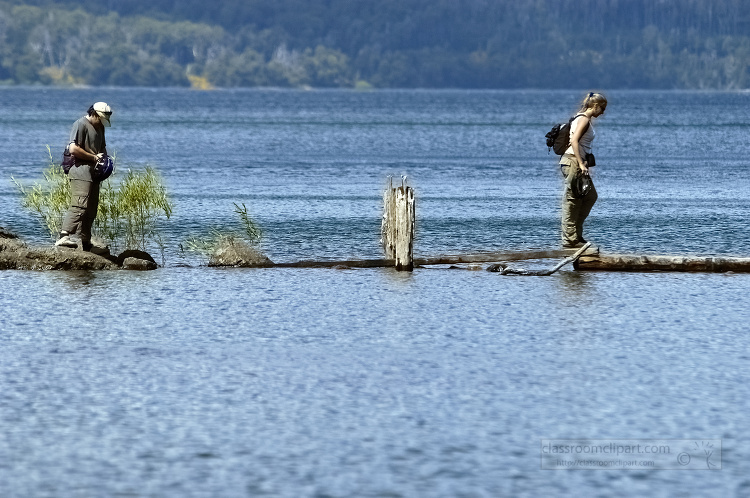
(558, 138)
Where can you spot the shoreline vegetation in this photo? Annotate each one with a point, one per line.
(132, 207)
(406, 44)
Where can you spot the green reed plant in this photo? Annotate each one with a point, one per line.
(129, 212)
(49, 199)
(251, 229)
(136, 207)
(249, 232)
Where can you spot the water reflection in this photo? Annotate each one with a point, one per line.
(78, 278)
(574, 284)
(399, 279)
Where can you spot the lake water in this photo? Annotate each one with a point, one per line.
(194, 381)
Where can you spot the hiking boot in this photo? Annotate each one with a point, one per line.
(66, 241)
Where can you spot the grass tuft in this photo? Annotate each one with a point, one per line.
(249, 233)
(128, 214)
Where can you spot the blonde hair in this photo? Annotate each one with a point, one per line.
(592, 99)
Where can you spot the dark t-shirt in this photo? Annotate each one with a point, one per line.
(84, 135)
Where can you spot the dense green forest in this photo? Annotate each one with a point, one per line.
(383, 43)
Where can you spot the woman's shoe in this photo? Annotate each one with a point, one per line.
(574, 245)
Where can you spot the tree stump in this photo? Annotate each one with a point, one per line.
(388, 224)
(397, 228)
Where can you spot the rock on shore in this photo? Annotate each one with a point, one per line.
(238, 254)
(17, 255)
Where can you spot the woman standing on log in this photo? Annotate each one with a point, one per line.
(576, 161)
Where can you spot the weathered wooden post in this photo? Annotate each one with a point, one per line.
(397, 228)
(388, 225)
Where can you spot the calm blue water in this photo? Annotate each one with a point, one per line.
(190, 381)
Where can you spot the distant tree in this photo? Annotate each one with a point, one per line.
(389, 43)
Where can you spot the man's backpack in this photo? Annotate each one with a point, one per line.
(68, 160)
(558, 138)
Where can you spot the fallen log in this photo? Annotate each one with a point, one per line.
(646, 263)
(354, 263)
(487, 257)
(546, 273)
(491, 257)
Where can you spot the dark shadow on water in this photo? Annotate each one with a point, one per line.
(78, 278)
(75, 281)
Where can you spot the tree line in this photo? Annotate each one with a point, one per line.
(384, 43)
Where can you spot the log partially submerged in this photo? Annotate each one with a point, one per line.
(587, 262)
(645, 263)
(491, 257)
(487, 257)
(352, 263)
(546, 273)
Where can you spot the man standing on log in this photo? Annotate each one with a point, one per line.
(87, 145)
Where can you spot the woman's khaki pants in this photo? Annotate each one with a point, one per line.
(574, 211)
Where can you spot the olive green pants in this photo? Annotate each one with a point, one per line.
(84, 203)
(574, 211)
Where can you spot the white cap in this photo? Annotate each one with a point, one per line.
(104, 112)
